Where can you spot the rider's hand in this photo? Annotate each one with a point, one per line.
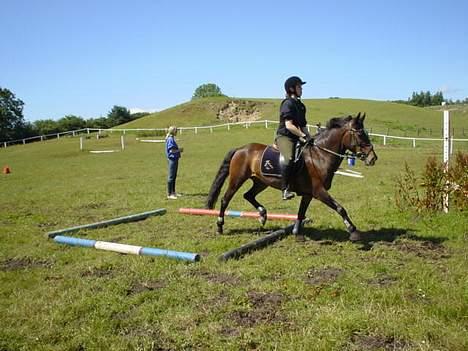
(309, 139)
(306, 139)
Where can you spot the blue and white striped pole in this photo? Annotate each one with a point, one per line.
(127, 249)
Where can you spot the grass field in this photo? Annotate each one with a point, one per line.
(406, 290)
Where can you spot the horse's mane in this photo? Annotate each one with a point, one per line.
(333, 123)
(338, 122)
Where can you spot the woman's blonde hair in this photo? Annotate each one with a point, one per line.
(171, 131)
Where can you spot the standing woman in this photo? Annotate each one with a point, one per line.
(292, 129)
(173, 154)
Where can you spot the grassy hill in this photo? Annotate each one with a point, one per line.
(382, 117)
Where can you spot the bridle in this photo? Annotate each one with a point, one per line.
(354, 142)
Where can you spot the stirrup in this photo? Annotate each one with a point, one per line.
(287, 195)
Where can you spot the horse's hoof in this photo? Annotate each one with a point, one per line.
(300, 238)
(262, 220)
(355, 236)
(297, 227)
(219, 230)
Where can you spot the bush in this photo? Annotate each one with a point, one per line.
(428, 194)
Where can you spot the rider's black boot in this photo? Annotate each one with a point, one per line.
(285, 175)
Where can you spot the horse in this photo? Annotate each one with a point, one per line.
(313, 180)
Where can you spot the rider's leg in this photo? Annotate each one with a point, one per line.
(286, 147)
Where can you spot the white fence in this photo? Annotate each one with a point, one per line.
(228, 126)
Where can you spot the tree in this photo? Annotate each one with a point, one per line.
(118, 115)
(100, 122)
(46, 126)
(12, 122)
(207, 90)
(71, 122)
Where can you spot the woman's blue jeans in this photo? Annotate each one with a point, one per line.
(173, 165)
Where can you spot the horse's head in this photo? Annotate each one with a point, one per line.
(357, 140)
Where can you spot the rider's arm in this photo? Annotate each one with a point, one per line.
(293, 129)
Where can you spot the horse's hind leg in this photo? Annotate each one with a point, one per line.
(234, 184)
(250, 195)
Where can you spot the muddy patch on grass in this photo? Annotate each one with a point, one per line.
(424, 249)
(382, 280)
(323, 276)
(13, 264)
(216, 277)
(376, 342)
(265, 309)
(97, 272)
(139, 287)
(219, 301)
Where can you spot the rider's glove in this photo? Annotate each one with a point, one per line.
(306, 139)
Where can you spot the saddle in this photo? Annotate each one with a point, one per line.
(272, 160)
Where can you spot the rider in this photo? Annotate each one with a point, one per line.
(292, 128)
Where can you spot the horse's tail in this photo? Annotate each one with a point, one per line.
(218, 182)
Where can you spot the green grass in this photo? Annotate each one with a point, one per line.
(383, 117)
(406, 292)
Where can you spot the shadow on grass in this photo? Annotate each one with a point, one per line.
(204, 195)
(369, 237)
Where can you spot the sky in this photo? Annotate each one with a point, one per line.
(82, 57)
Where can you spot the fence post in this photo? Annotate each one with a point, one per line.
(81, 143)
(229, 126)
(58, 135)
(42, 138)
(446, 135)
(266, 124)
(87, 130)
(196, 130)
(414, 142)
(385, 140)
(4, 144)
(122, 142)
(211, 129)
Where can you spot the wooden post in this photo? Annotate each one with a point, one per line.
(122, 142)
(414, 142)
(81, 143)
(385, 140)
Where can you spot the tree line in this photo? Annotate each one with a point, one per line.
(13, 126)
(426, 98)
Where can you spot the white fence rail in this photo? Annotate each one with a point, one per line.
(228, 126)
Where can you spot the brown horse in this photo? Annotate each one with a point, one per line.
(321, 160)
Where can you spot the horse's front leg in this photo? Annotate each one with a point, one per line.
(326, 198)
(305, 201)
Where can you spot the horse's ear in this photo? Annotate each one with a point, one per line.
(363, 117)
(358, 116)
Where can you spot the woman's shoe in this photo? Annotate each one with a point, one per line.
(172, 197)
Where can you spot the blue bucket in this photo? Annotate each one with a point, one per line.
(351, 161)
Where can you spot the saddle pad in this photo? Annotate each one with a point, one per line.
(270, 162)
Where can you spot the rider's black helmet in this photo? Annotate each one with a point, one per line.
(291, 82)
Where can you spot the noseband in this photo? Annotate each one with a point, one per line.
(354, 143)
